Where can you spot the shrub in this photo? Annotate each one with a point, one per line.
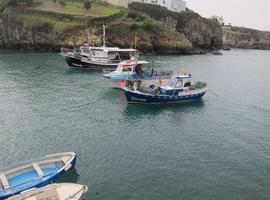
(63, 3)
(135, 15)
(134, 26)
(27, 2)
(148, 25)
(12, 3)
(87, 5)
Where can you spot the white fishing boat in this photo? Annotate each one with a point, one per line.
(63, 191)
(134, 70)
(89, 57)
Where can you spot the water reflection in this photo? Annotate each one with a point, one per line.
(71, 176)
(153, 109)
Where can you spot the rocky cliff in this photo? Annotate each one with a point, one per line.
(239, 37)
(202, 33)
(158, 31)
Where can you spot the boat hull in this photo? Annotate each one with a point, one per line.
(79, 64)
(146, 81)
(135, 97)
(61, 191)
(35, 182)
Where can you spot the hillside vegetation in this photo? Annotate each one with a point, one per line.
(48, 25)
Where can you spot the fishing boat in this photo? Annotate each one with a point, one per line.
(35, 173)
(98, 58)
(180, 88)
(63, 191)
(134, 70)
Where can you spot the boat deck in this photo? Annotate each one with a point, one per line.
(28, 178)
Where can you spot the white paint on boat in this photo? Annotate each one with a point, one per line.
(63, 191)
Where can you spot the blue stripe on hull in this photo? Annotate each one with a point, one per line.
(147, 99)
(77, 63)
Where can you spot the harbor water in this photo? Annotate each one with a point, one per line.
(217, 148)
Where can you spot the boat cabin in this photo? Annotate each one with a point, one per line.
(108, 54)
(176, 84)
(130, 67)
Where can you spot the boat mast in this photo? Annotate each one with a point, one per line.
(104, 35)
(135, 41)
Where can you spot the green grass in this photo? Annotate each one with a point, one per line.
(33, 20)
(77, 8)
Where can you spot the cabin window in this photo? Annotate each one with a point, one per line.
(124, 55)
(86, 51)
(179, 84)
(126, 69)
(187, 84)
(172, 82)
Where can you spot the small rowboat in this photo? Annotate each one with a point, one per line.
(35, 173)
(63, 191)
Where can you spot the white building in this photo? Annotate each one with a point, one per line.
(173, 5)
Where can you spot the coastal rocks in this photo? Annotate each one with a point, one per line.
(149, 41)
(203, 33)
(10, 31)
(239, 37)
(15, 34)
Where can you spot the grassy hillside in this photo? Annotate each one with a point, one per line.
(75, 8)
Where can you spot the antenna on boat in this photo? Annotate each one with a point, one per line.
(104, 35)
(92, 36)
(86, 29)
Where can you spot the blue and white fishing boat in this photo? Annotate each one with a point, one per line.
(134, 70)
(35, 173)
(180, 88)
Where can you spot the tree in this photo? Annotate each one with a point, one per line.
(63, 3)
(12, 3)
(87, 5)
(27, 2)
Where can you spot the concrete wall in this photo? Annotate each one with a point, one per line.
(173, 5)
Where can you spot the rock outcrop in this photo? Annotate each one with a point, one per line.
(239, 37)
(202, 33)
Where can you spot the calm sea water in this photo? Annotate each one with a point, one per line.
(218, 148)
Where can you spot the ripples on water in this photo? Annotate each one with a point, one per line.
(217, 148)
